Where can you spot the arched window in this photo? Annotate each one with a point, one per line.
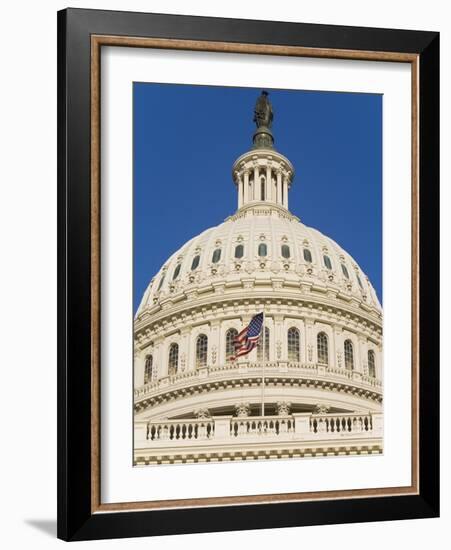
(231, 334)
(345, 271)
(173, 359)
(349, 355)
(262, 250)
(322, 344)
(285, 251)
(294, 345)
(201, 350)
(260, 346)
(161, 283)
(360, 282)
(216, 256)
(327, 262)
(262, 189)
(176, 272)
(148, 369)
(195, 262)
(307, 255)
(371, 364)
(239, 251)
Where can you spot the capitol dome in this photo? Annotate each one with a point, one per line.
(266, 243)
(314, 383)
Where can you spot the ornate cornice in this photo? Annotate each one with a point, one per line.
(219, 379)
(234, 304)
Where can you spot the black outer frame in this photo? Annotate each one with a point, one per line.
(75, 520)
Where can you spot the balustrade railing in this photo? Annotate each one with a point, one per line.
(261, 426)
(302, 426)
(181, 430)
(271, 368)
(343, 424)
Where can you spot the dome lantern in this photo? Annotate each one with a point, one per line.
(263, 175)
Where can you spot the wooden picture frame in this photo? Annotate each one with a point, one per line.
(81, 35)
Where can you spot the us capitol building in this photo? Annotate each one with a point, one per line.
(317, 373)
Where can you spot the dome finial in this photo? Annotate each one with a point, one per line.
(263, 117)
(263, 175)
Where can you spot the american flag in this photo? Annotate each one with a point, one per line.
(249, 337)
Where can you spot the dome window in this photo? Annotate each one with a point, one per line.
(262, 250)
(176, 272)
(161, 283)
(327, 262)
(173, 359)
(371, 364)
(148, 374)
(359, 281)
(294, 345)
(345, 271)
(260, 346)
(201, 350)
(239, 251)
(285, 251)
(307, 255)
(231, 334)
(349, 355)
(216, 256)
(195, 262)
(322, 347)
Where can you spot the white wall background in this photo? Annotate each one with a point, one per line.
(28, 274)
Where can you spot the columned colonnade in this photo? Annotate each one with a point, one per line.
(263, 176)
(278, 325)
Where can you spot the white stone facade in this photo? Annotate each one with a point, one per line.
(322, 391)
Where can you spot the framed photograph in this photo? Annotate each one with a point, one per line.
(248, 274)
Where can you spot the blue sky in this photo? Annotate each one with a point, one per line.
(186, 139)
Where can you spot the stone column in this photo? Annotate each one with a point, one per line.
(362, 353)
(184, 350)
(336, 331)
(246, 187)
(139, 360)
(278, 338)
(285, 192)
(158, 359)
(269, 323)
(302, 342)
(309, 343)
(214, 343)
(192, 354)
(338, 360)
(268, 183)
(240, 190)
(379, 363)
(273, 186)
(257, 195)
(279, 187)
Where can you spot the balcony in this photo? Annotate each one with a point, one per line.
(258, 436)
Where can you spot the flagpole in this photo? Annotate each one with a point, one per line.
(263, 366)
